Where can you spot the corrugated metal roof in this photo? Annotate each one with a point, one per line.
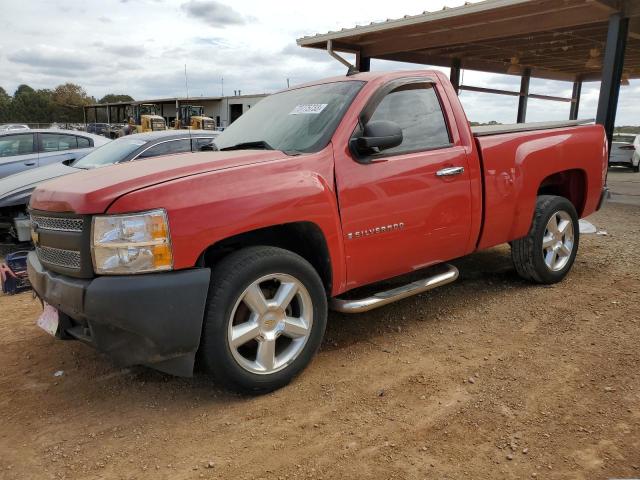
(426, 16)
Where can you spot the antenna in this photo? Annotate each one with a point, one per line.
(186, 80)
(186, 86)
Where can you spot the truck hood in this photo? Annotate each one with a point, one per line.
(92, 191)
(15, 189)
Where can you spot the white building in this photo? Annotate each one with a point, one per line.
(224, 110)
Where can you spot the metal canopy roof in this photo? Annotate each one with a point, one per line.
(554, 38)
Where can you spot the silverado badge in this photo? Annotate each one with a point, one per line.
(375, 230)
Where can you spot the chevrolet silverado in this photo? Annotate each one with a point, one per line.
(232, 258)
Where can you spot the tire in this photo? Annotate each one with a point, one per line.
(636, 168)
(532, 259)
(275, 343)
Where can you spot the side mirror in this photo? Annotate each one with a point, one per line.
(380, 134)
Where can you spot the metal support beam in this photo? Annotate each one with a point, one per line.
(455, 74)
(365, 64)
(575, 100)
(524, 95)
(612, 66)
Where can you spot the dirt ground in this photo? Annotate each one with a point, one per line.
(487, 378)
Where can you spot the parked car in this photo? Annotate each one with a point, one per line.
(236, 254)
(13, 126)
(625, 151)
(20, 151)
(16, 190)
(98, 128)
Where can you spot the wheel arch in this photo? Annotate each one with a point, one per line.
(570, 184)
(303, 238)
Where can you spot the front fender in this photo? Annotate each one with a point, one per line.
(207, 208)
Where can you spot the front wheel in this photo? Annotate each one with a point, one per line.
(265, 319)
(547, 253)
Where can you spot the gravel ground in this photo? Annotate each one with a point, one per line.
(489, 377)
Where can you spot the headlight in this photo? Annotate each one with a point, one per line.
(128, 244)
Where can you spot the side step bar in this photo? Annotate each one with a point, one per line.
(450, 274)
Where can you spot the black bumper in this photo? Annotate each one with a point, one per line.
(153, 319)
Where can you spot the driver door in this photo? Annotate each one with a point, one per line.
(409, 206)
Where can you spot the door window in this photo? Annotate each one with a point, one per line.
(83, 142)
(202, 144)
(55, 142)
(11, 145)
(416, 109)
(167, 148)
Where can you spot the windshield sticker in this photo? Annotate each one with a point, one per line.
(308, 109)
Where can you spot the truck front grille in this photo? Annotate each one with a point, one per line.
(70, 259)
(62, 242)
(62, 224)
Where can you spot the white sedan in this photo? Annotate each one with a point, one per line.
(625, 151)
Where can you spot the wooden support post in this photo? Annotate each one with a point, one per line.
(524, 95)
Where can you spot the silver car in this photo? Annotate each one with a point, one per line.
(15, 191)
(13, 127)
(27, 149)
(625, 151)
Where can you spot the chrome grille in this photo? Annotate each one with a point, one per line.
(60, 224)
(61, 258)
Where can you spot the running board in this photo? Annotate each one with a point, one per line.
(380, 299)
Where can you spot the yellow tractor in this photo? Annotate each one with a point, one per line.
(193, 118)
(144, 118)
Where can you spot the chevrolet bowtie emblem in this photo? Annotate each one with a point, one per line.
(35, 236)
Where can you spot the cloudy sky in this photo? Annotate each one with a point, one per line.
(140, 47)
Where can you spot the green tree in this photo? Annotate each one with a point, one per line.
(29, 105)
(68, 100)
(115, 98)
(5, 105)
(23, 89)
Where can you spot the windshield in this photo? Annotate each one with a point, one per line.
(110, 153)
(300, 120)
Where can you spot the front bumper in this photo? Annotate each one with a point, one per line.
(152, 319)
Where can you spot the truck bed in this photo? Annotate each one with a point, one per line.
(485, 130)
(524, 159)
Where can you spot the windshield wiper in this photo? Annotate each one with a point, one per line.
(257, 145)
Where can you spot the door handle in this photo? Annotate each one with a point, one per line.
(449, 171)
(29, 164)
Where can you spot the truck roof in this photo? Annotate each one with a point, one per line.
(370, 76)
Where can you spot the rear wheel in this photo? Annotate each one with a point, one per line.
(547, 253)
(266, 316)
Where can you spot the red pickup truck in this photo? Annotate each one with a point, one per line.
(233, 257)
